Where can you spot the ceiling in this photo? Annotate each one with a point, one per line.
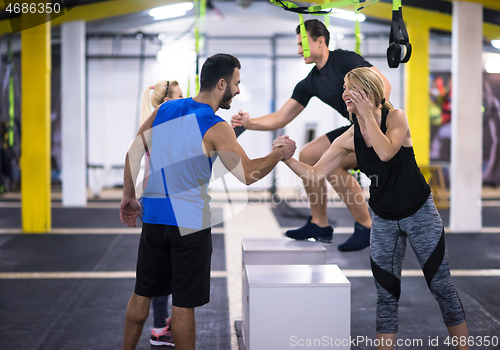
(223, 18)
(490, 15)
(226, 16)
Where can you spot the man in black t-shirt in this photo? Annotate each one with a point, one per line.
(325, 81)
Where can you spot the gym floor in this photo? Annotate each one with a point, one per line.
(69, 289)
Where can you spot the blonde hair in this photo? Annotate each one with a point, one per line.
(368, 80)
(156, 98)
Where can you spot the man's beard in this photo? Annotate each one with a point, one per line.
(225, 103)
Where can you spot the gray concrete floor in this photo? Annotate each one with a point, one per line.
(69, 310)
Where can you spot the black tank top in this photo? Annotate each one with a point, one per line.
(398, 189)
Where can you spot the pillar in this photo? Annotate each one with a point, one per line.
(35, 128)
(466, 118)
(417, 91)
(74, 186)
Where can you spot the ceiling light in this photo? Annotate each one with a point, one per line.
(162, 56)
(171, 11)
(495, 44)
(349, 15)
(176, 55)
(492, 66)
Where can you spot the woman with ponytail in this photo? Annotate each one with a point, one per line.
(155, 95)
(400, 199)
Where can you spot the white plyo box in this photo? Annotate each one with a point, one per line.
(277, 251)
(282, 251)
(292, 306)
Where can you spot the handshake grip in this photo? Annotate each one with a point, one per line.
(288, 145)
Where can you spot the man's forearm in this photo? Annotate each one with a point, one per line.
(262, 166)
(128, 183)
(268, 122)
(133, 166)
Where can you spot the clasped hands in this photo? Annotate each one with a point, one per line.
(288, 145)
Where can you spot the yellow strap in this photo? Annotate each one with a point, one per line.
(357, 34)
(303, 35)
(327, 19)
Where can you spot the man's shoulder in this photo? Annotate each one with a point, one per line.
(189, 106)
(347, 59)
(219, 128)
(341, 52)
(220, 125)
(218, 133)
(171, 106)
(340, 55)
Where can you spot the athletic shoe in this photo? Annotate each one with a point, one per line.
(311, 230)
(359, 240)
(164, 338)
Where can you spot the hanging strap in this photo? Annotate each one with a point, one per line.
(357, 34)
(303, 35)
(398, 37)
(290, 6)
(327, 18)
(321, 9)
(11, 93)
(200, 8)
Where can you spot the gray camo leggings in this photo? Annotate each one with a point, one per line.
(387, 249)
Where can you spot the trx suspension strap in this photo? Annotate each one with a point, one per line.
(321, 9)
(196, 44)
(357, 34)
(398, 37)
(200, 7)
(327, 18)
(303, 36)
(10, 63)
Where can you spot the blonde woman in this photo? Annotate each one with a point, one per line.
(400, 199)
(155, 95)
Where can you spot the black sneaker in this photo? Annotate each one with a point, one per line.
(359, 240)
(311, 230)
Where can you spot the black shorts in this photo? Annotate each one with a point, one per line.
(332, 135)
(169, 263)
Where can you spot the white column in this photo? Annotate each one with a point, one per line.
(74, 189)
(466, 119)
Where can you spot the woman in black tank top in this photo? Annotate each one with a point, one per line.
(400, 200)
(380, 137)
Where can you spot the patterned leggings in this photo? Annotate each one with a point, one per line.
(387, 249)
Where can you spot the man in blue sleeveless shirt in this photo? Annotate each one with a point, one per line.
(184, 137)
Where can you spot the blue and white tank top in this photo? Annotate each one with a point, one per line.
(180, 172)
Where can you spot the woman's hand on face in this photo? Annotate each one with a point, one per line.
(363, 104)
